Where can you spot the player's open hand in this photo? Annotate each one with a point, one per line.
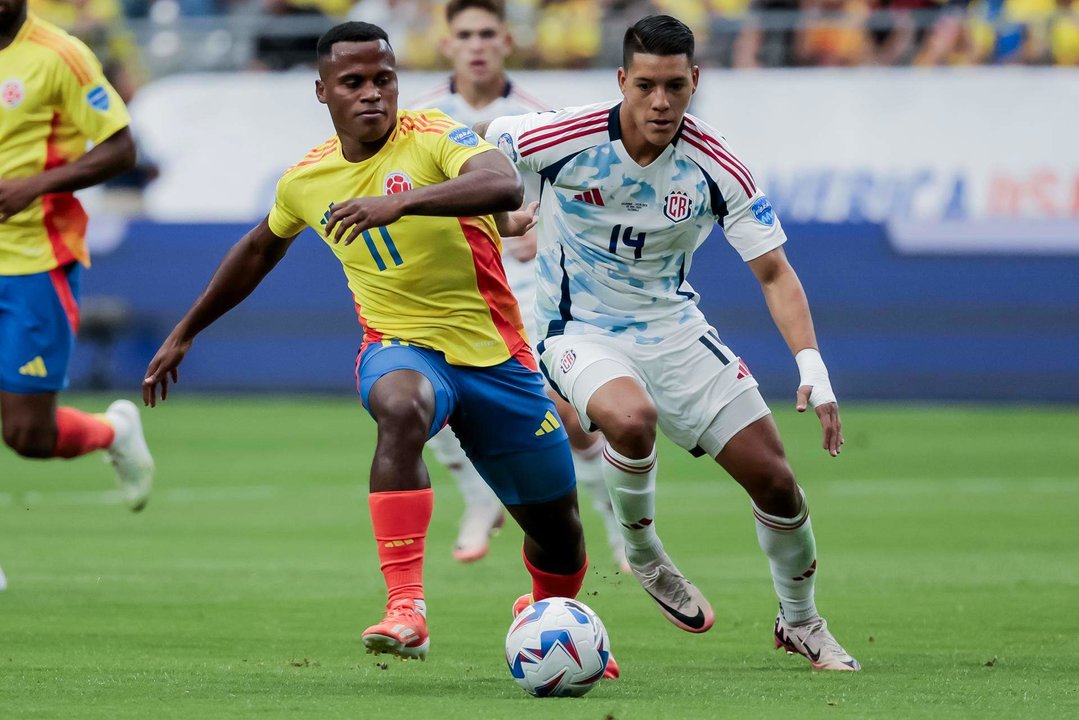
(830, 423)
(347, 220)
(518, 223)
(161, 368)
(16, 194)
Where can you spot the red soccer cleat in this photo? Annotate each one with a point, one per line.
(403, 632)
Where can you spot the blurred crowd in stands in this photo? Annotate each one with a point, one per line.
(137, 38)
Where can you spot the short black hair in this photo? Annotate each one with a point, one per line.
(657, 35)
(350, 32)
(495, 7)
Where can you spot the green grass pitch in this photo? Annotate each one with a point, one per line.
(949, 565)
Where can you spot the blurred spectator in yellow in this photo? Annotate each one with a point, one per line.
(833, 33)
(569, 33)
(415, 28)
(1052, 31)
(1005, 31)
(1064, 33)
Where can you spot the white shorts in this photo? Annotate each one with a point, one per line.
(703, 391)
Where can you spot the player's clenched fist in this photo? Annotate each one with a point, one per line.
(361, 214)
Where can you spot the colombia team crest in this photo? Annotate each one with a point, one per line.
(677, 206)
(397, 182)
(12, 92)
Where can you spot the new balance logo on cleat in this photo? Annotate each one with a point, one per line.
(592, 197)
(35, 368)
(549, 425)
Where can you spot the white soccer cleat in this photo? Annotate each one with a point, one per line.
(813, 641)
(478, 523)
(3, 581)
(678, 599)
(129, 456)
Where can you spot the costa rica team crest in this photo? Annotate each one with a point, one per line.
(677, 206)
(397, 182)
(568, 358)
(12, 93)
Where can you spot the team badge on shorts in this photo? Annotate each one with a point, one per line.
(397, 182)
(762, 210)
(505, 144)
(12, 92)
(568, 358)
(464, 136)
(677, 206)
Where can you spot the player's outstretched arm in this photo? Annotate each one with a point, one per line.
(105, 160)
(240, 272)
(790, 311)
(487, 184)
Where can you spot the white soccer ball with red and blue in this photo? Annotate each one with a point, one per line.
(557, 647)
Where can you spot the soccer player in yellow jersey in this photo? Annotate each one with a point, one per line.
(53, 100)
(404, 200)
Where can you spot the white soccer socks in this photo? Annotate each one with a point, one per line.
(792, 555)
(588, 464)
(632, 486)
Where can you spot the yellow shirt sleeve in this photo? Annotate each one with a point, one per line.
(455, 147)
(283, 222)
(88, 100)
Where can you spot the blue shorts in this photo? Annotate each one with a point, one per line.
(39, 318)
(507, 425)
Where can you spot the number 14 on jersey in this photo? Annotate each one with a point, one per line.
(628, 239)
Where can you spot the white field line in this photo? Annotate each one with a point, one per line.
(114, 497)
(720, 485)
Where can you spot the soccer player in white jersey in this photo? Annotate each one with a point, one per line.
(631, 189)
(479, 89)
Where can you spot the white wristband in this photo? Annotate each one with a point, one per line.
(812, 372)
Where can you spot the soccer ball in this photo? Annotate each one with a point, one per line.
(557, 647)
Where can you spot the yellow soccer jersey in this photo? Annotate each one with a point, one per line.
(435, 282)
(53, 99)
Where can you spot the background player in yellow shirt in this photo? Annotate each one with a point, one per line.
(442, 335)
(53, 100)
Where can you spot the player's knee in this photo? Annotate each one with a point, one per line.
(632, 431)
(403, 419)
(776, 492)
(30, 441)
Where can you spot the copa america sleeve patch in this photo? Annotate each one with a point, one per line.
(464, 136)
(98, 98)
(505, 144)
(762, 210)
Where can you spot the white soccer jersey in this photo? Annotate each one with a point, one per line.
(616, 239)
(445, 97)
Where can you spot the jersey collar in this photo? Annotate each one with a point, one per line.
(614, 127)
(505, 91)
